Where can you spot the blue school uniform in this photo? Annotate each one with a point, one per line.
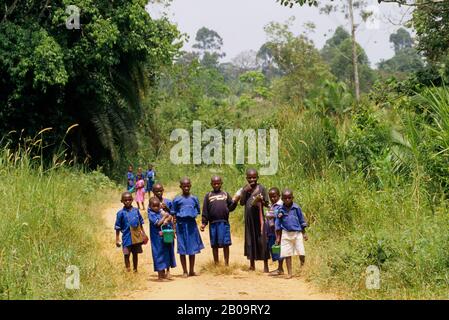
(291, 220)
(186, 209)
(149, 178)
(271, 233)
(163, 253)
(130, 181)
(169, 204)
(126, 218)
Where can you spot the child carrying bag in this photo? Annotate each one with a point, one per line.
(137, 235)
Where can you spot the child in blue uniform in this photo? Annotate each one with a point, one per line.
(185, 209)
(275, 203)
(163, 253)
(290, 230)
(216, 207)
(158, 191)
(130, 179)
(127, 218)
(150, 176)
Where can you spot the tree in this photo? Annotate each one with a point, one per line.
(406, 58)
(346, 6)
(337, 52)
(209, 44)
(266, 61)
(96, 76)
(299, 61)
(401, 40)
(246, 61)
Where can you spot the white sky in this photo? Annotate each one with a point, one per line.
(240, 23)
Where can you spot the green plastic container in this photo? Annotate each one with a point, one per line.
(276, 249)
(168, 235)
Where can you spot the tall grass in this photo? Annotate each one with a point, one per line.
(49, 220)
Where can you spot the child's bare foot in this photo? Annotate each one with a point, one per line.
(163, 280)
(185, 275)
(276, 272)
(167, 275)
(288, 276)
(128, 269)
(193, 274)
(265, 270)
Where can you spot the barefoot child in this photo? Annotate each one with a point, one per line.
(276, 203)
(150, 176)
(185, 209)
(130, 179)
(158, 191)
(254, 197)
(129, 222)
(216, 207)
(163, 253)
(140, 189)
(290, 230)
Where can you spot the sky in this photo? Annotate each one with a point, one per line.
(241, 23)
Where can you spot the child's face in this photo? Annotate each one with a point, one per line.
(216, 184)
(158, 191)
(150, 167)
(274, 196)
(185, 186)
(287, 199)
(155, 206)
(127, 200)
(252, 177)
(139, 170)
(130, 168)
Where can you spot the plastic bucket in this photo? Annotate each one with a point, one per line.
(276, 249)
(168, 235)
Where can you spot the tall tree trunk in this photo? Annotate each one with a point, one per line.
(354, 53)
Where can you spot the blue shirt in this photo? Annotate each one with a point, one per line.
(149, 176)
(125, 219)
(130, 179)
(292, 219)
(186, 207)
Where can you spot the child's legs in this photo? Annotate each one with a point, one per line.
(127, 264)
(252, 265)
(192, 265)
(161, 274)
(302, 260)
(215, 254)
(135, 260)
(226, 255)
(288, 262)
(281, 265)
(265, 266)
(183, 263)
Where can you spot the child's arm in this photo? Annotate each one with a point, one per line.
(117, 238)
(278, 236)
(303, 223)
(205, 214)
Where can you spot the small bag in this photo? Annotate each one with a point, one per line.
(137, 236)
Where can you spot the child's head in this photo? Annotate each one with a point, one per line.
(150, 167)
(185, 185)
(130, 168)
(287, 197)
(274, 195)
(216, 183)
(252, 176)
(139, 170)
(127, 199)
(158, 190)
(154, 204)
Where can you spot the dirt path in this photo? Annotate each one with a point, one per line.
(234, 282)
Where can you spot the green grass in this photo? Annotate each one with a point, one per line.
(50, 221)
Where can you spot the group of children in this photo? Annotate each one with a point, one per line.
(279, 233)
(141, 183)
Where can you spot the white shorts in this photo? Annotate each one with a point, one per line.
(292, 244)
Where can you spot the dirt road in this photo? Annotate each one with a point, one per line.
(234, 282)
